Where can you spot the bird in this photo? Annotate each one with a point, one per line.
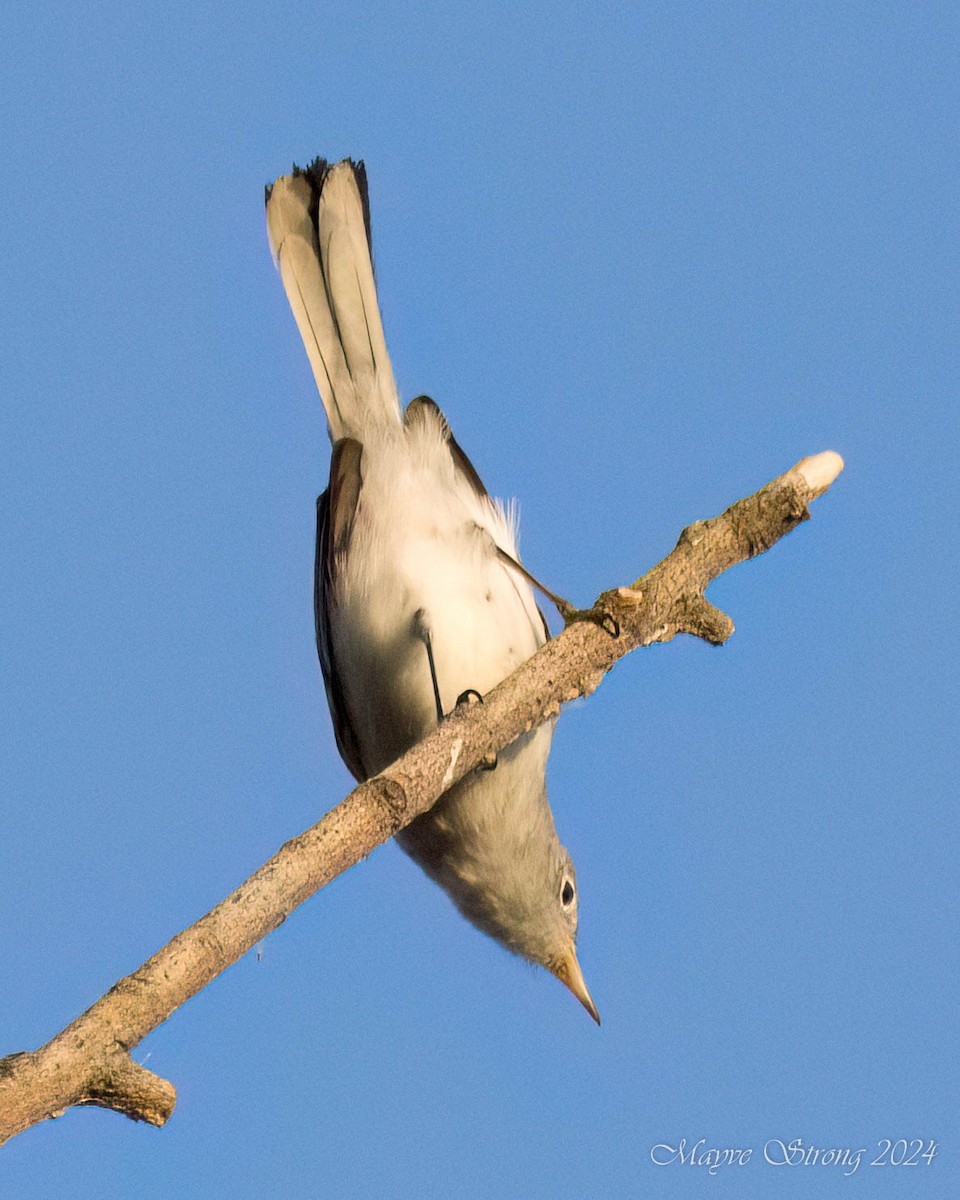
(420, 598)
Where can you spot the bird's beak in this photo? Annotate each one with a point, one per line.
(567, 970)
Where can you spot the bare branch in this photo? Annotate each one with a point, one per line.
(89, 1061)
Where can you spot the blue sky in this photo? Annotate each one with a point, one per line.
(646, 257)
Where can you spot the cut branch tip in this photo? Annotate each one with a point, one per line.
(819, 470)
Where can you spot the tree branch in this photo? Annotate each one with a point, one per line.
(89, 1061)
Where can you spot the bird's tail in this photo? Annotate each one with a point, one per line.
(318, 222)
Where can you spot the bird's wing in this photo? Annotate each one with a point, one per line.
(423, 408)
(336, 510)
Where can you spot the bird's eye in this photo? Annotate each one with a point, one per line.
(567, 895)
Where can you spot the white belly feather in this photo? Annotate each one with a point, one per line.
(423, 558)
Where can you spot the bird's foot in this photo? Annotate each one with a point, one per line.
(472, 696)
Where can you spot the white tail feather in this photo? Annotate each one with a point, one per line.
(325, 265)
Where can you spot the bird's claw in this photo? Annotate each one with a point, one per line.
(472, 696)
(597, 616)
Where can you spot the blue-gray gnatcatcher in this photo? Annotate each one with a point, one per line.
(419, 594)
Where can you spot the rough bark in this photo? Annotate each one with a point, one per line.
(89, 1061)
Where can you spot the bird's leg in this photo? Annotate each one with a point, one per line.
(470, 696)
(423, 632)
(566, 610)
(563, 607)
